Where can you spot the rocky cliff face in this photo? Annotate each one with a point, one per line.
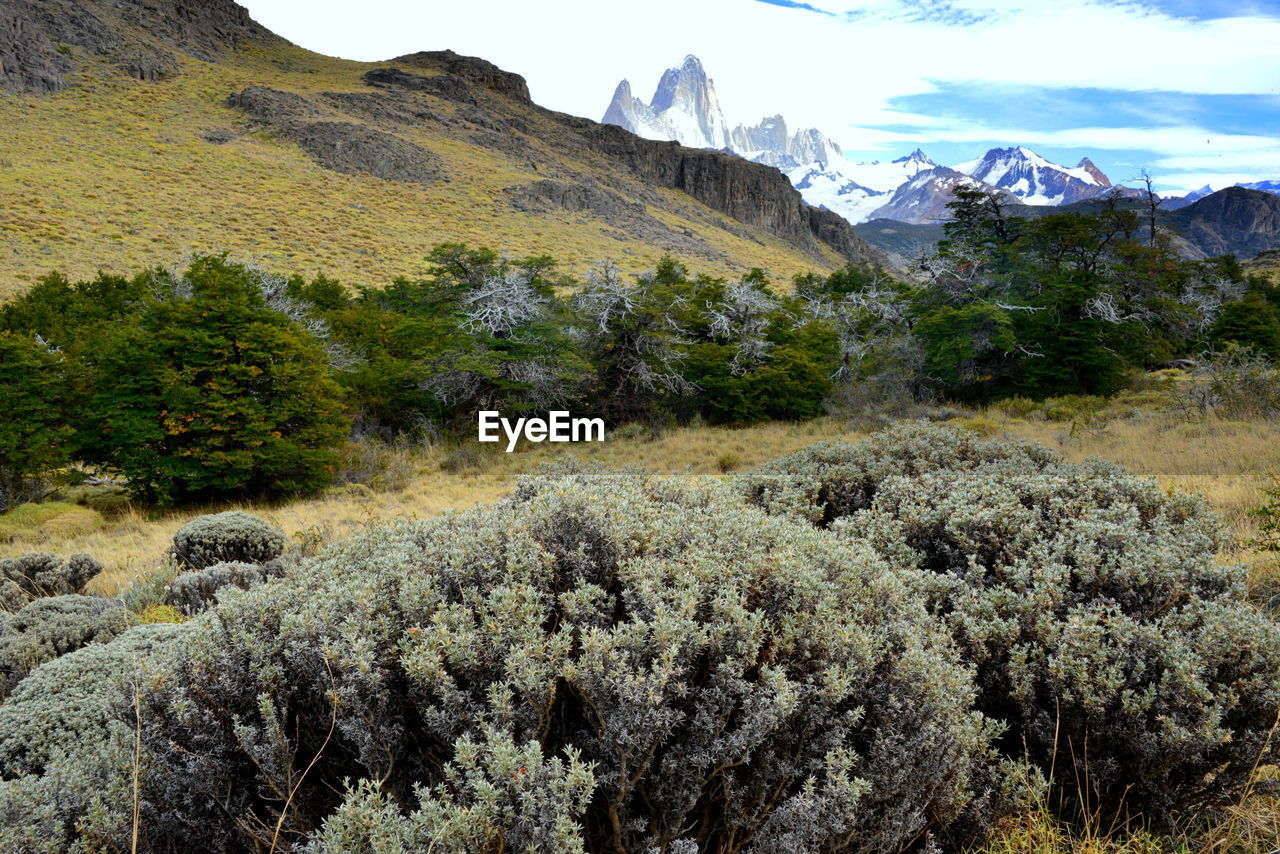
(39, 38)
(749, 192)
(336, 142)
(472, 69)
(1235, 220)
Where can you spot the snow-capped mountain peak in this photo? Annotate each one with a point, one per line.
(684, 108)
(917, 157)
(1094, 172)
(912, 187)
(1034, 179)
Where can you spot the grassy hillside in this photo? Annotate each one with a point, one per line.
(114, 173)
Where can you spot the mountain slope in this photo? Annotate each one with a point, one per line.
(1235, 220)
(249, 144)
(924, 197)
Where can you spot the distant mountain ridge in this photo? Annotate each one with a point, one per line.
(912, 189)
(1235, 221)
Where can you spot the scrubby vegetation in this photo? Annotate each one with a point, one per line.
(1122, 658)
(34, 575)
(193, 592)
(53, 626)
(880, 647)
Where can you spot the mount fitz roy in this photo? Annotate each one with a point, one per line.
(912, 189)
(685, 108)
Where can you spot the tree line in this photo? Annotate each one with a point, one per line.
(223, 380)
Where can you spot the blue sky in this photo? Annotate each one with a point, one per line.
(1187, 89)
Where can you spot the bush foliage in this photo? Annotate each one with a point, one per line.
(50, 627)
(604, 663)
(233, 536)
(194, 592)
(66, 746)
(31, 576)
(1120, 656)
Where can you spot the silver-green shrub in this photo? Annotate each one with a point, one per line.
(230, 536)
(1101, 628)
(66, 747)
(31, 576)
(194, 592)
(483, 804)
(65, 707)
(729, 680)
(829, 480)
(53, 626)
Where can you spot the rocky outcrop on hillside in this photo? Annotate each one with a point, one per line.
(39, 39)
(29, 59)
(548, 195)
(476, 71)
(749, 192)
(342, 146)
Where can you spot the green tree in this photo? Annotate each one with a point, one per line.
(1250, 322)
(212, 394)
(967, 349)
(35, 397)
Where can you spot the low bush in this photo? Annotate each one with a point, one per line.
(34, 575)
(1019, 407)
(829, 480)
(1237, 382)
(66, 707)
(382, 466)
(230, 536)
(50, 627)
(1102, 632)
(598, 663)
(193, 592)
(67, 747)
